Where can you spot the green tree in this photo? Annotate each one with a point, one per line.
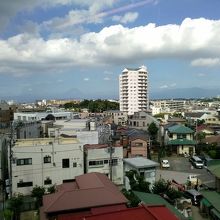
(38, 192)
(14, 205)
(160, 186)
(137, 182)
(153, 130)
(132, 198)
(51, 189)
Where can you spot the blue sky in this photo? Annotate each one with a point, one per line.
(78, 48)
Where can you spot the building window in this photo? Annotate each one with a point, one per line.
(65, 163)
(95, 162)
(105, 161)
(74, 164)
(24, 184)
(138, 144)
(68, 180)
(114, 162)
(25, 161)
(47, 159)
(48, 181)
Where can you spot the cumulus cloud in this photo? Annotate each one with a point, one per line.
(86, 79)
(192, 39)
(206, 62)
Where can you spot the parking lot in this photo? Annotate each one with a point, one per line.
(180, 168)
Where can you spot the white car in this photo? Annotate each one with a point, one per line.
(165, 164)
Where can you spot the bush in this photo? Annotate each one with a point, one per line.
(212, 154)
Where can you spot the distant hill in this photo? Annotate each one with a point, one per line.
(184, 93)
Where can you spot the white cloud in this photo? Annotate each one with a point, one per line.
(206, 62)
(86, 79)
(126, 18)
(107, 79)
(194, 38)
(163, 87)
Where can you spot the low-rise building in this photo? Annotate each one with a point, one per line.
(117, 117)
(180, 139)
(45, 162)
(90, 194)
(141, 120)
(105, 159)
(143, 166)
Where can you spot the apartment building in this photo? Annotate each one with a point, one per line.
(133, 89)
(45, 162)
(161, 106)
(104, 159)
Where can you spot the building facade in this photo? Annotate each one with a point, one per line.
(103, 159)
(44, 162)
(133, 89)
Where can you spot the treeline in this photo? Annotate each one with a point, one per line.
(93, 105)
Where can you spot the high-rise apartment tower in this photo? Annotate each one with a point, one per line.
(133, 89)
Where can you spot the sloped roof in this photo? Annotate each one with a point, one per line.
(194, 114)
(90, 190)
(212, 139)
(180, 129)
(214, 167)
(213, 197)
(156, 212)
(154, 199)
(181, 142)
(176, 119)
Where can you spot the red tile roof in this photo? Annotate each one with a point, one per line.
(89, 190)
(143, 212)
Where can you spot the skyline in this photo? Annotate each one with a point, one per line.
(77, 49)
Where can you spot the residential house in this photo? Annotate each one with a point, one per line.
(180, 139)
(115, 116)
(141, 120)
(89, 194)
(135, 142)
(39, 161)
(143, 166)
(105, 159)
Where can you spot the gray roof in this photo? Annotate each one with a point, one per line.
(140, 162)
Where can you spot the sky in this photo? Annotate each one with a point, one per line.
(77, 48)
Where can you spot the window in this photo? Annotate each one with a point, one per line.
(48, 181)
(114, 162)
(65, 163)
(68, 180)
(24, 184)
(138, 144)
(47, 159)
(95, 162)
(74, 164)
(25, 161)
(105, 161)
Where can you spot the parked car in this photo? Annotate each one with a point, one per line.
(205, 159)
(165, 164)
(194, 180)
(194, 195)
(196, 162)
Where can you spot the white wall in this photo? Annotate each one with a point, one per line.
(38, 171)
(102, 154)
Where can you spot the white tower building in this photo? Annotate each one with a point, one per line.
(133, 89)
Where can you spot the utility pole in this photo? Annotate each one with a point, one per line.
(10, 157)
(110, 150)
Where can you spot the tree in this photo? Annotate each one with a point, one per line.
(38, 192)
(14, 205)
(153, 130)
(133, 199)
(51, 189)
(160, 186)
(137, 182)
